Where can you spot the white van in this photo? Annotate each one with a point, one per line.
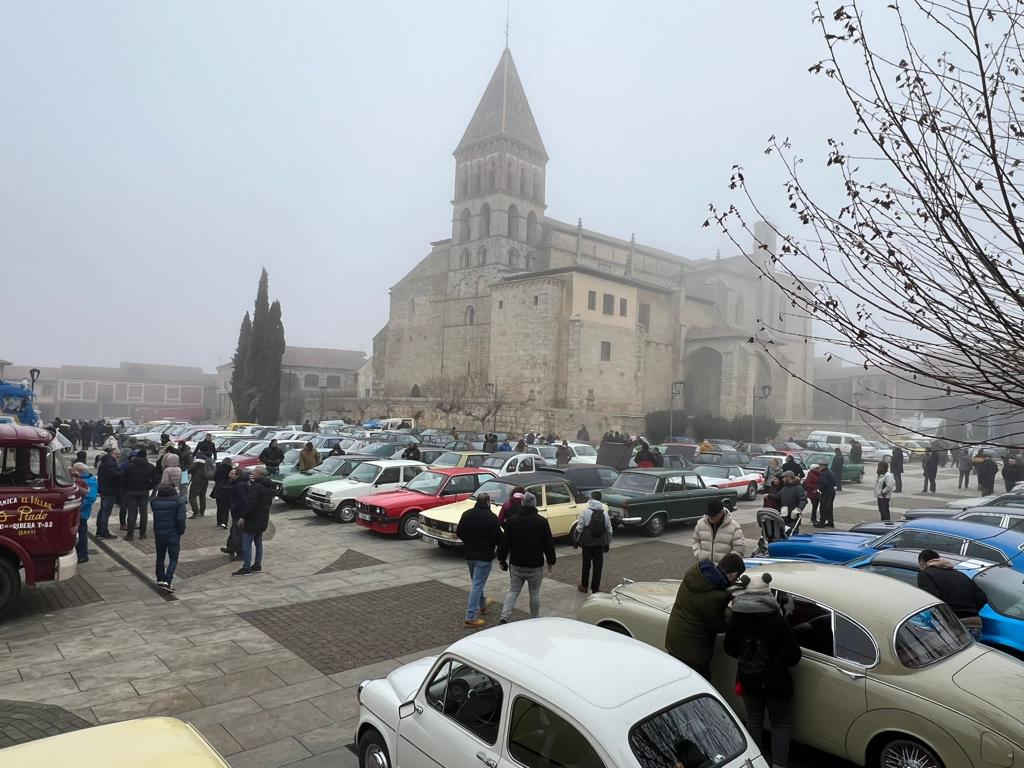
(842, 440)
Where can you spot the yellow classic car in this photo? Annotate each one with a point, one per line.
(889, 677)
(460, 459)
(151, 741)
(557, 500)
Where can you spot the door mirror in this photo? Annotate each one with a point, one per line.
(407, 709)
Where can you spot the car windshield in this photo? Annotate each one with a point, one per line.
(584, 450)
(291, 456)
(635, 481)
(759, 461)
(378, 449)
(547, 451)
(697, 733)
(328, 466)
(929, 636)
(1004, 588)
(494, 462)
(449, 459)
(499, 492)
(709, 471)
(256, 449)
(426, 482)
(364, 473)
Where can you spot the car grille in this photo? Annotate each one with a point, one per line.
(319, 496)
(370, 509)
(437, 525)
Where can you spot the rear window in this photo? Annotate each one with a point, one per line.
(697, 733)
(930, 636)
(1004, 588)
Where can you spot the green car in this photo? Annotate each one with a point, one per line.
(852, 473)
(292, 488)
(649, 499)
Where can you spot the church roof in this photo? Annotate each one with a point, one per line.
(503, 111)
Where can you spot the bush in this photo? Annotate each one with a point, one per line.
(765, 428)
(712, 426)
(656, 425)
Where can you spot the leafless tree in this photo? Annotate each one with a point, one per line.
(919, 271)
(449, 394)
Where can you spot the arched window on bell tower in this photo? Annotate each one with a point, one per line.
(485, 220)
(490, 177)
(513, 222)
(476, 179)
(524, 181)
(464, 225)
(532, 229)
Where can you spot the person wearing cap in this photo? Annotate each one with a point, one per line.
(526, 545)
(168, 507)
(765, 648)
(827, 499)
(717, 534)
(480, 534)
(792, 496)
(698, 614)
(594, 531)
(938, 576)
(81, 471)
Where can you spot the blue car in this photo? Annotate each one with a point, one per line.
(948, 537)
(1002, 619)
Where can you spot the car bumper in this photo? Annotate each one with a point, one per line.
(377, 523)
(319, 504)
(442, 537)
(66, 566)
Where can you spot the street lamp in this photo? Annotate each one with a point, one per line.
(323, 388)
(678, 387)
(766, 391)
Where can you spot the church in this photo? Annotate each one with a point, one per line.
(558, 325)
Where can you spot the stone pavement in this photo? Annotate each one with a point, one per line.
(265, 666)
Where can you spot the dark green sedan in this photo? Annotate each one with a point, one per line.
(852, 473)
(649, 499)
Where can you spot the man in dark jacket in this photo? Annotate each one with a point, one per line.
(827, 500)
(855, 452)
(198, 485)
(255, 520)
(764, 646)
(271, 456)
(140, 478)
(1012, 471)
(896, 467)
(698, 614)
(206, 446)
(168, 528)
(986, 472)
(938, 577)
(563, 454)
(526, 545)
(931, 469)
(791, 465)
(412, 452)
(480, 533)
(239, 479)
(222, 491)
(792, 496)
(108, 476)
(838, 462)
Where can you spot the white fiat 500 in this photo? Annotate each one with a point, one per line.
(548, 692)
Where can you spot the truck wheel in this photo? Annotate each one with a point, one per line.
(373, 752)
(409, 528)
(655, 526)
(751, 492)
(347, 512)
(10, 584)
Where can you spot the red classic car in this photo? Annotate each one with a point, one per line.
(398, 511)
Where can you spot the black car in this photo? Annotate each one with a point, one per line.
(727, 458)
(586, 477)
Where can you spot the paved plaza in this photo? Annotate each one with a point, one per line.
(266, 665)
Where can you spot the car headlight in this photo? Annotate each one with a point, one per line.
(359, 691)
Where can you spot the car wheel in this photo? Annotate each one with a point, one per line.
(751, 492)
(409, 528)
(860, 478)
(347, 512)
(729, 504)
(373, 752)
(655, 526)
(10, 584)
(903, 752)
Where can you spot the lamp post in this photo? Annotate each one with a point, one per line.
(323, 388)
(766, 391)
(678, 387)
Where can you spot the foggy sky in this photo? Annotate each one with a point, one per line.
(153, 156)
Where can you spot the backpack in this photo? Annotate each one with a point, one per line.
(597, 527)
(753, 664)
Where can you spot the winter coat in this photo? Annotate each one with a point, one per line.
(480, 533)
(965, 464)
(884, 486)
(412, 453)
(772, 498)
(896, 461)
(956, 589)
(257, 504)
(110, 443)
(272, 457)
(1012, 473)
(812, 484)
(108, 476)
(698, 614)
(308, 459)
(855, 453)
(757, 614)
(790, 465)
(931, 464)
(827, 483)
(710, 543)
(239, 492)
(172, 472)
(838, 462)
(586, 538)
(206, 446)
(168, 517)
(91, 491)
(986, 471)
(222, 481)
(140, 476)
(509, 509)
(793, 496)
(528, 541)
(563, 454)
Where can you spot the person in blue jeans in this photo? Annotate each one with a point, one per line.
(108, 476)
(480, 533)
(168, 508)
(85, 511)
(255, 520)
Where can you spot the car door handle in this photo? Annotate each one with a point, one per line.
(490, 762)
(852, 675)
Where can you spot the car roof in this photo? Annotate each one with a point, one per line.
(658, 471)
(464, 453)
(396, 463)
(528, 478)
(1011, 511)
(967, 529)
(907, 558)
(19, 434)
(554, 658)
(461, 471)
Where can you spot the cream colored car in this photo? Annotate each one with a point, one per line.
(556, 500)
(889, 677)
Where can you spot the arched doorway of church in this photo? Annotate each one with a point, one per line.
(415, 391)
(704, 382)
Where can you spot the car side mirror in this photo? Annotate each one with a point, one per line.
(409, 708)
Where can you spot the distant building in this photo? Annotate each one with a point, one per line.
(309, 375)
(136, 391)
(364, 380)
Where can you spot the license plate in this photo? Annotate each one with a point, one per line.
(365, 516)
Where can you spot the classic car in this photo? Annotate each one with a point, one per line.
(853, 472)
(510, 463)
(338, 497)
(1002, 517)
(397, 511)
(428, 455)
(156, 741)
(726, 457)
(557, 500)
(464, 445)
(526, 694)
(955, 537)
(460, 459)
(738, 478)
(1015, 498)
(293, 488)
(585, 477)
(1002, 619)
(545, 452)
(888, 683)
(250, 457)
(652, 498)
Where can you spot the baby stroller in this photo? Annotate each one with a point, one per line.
(775, 527)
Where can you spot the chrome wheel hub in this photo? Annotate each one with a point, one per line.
(908, 754)
(375, 757)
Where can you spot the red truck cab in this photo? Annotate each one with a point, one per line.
(397, 512)
(40, 505)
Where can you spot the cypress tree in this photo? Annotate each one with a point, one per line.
(255, 359)
(239, 386)
(270, 402)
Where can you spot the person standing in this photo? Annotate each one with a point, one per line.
(306, 426)
(206, 447)
(838, 462)
(511, 507)
(896, 467)
(563, 454)
(964, 466)
(411, 452)
(812, 489)
(1011, 471)
(594, 527)
(885, 484)
(792, 465)
(74, 433)
(717, 534)
(255, 520)
(986, 472)
(698, 614)
(309, 458)
(272, 456)
(772, 498)
(81, 471)
(931, 469)
(108, 477)
(764, 646)
(86, 433)
(582, 434)
(856, 452)
(199, 484)
(526, 545)
(140, 478)
(937, 576)
(644, 458)
(168, 508)
(239, 492)
(792, 497)
(480, 534)
(827, 491)
(171, 474)
(222, 491)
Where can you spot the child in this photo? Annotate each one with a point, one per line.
(85, 511)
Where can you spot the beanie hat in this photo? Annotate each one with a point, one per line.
(529, 500)
(595, 505)
(760, 583)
